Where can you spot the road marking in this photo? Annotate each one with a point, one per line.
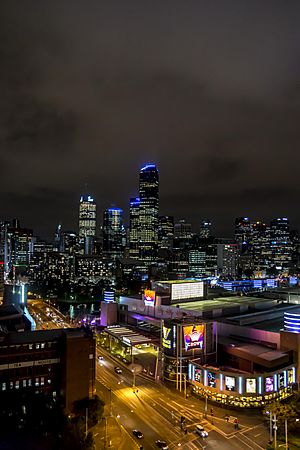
(257, 435)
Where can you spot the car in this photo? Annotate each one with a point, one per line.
(161, 444)
(138, 434)
(118, 369)
(100, 358)
(201, 431)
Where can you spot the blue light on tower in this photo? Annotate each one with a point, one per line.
(292, 322)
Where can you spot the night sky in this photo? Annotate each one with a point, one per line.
(91, 90)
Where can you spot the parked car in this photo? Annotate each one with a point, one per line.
(118, 370)
(161, 444)
(138, 434)
(201, 431)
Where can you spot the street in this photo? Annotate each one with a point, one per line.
(156, 411)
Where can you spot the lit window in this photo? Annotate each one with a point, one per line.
(17, 384)
(37, 346)
(37, 382)
(43, 345)
(11, 385)
(3, 386)
(49, 381)
(29, 383)
(24, 383)
(42, 381)
(30, 346)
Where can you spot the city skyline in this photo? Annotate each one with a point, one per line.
(216, 107)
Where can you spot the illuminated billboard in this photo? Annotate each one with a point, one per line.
(230, 383)
(281, 383)
(251, 385)
(211, 379)
(149, 297)
(166, 338)
(181, 291)
(193, 337)
(269, 384)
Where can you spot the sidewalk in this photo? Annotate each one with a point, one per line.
(108, 434)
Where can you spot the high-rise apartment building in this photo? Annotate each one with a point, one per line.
(20, 246)
(281, 249)
(165, 231)
(134, 227)
(113, 233)
(148, 212)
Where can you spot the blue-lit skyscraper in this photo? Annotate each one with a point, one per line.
(113, 233)
(148, 212)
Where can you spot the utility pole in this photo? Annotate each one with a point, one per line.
(275, 431)
(286, 434)
(184, 379)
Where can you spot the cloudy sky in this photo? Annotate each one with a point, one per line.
(91, 90)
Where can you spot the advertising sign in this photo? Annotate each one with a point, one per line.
(251, 385)
(166, 338)
(181, 291)
(211, 379)
(149, 297)
(198, 375)
(230, 383)
(269, 384)
(193, 337)
(281, 380)
(291, 378)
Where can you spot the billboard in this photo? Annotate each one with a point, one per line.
(193, 336)
(149, 297)
(167, 337)
(251, 385)
(269, 384)
(230, 383)
(211, 379)
(181, 291)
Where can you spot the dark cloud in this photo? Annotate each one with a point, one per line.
(92, 90)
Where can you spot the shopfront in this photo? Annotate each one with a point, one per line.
(241, 389)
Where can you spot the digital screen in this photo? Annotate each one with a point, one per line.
(149, 297)
(230, 383)
(269, 384)
(281, 380)
(211, 379)
(187, 290)
(251, 385)
(193, 337)
(166, 341)
(198, 375)
(291, 376)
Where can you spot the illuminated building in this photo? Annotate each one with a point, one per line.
(165, 231)
(59, 239)
(148, 212)
(134, 226)
(87, 222)
(205, 229)
(113, 233)
(281, 249)
(4, 225)
(197, 263)
(227, 259)
(71, 242)
(20, 246)
(260, 246)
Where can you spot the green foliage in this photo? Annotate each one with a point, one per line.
(95, 407)
(289, 410)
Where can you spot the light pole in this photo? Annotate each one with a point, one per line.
(133, 381)
(205, 409)
(286, 434)
(275, 431)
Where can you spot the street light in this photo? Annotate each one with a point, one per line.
(133, 381)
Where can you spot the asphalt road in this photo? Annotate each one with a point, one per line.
(156, 412)
(46, 316)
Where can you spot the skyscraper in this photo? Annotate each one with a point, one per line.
(148, 212)
(87, 222)
(281, 249)
(205, 229)
(87, 216)
(134, 225)
(112, 233)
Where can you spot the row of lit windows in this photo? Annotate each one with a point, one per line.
(38, 381)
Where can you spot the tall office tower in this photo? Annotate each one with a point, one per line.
(182, 235)
(4, 247)
(281, 249)
(20, 246)
(243, 237)
(149, 199)
(165, 231)
(87, 222)
(260, 246)
(228, 259)
(59, 239)
(134, 224)
(205, 229)
(113, 232)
